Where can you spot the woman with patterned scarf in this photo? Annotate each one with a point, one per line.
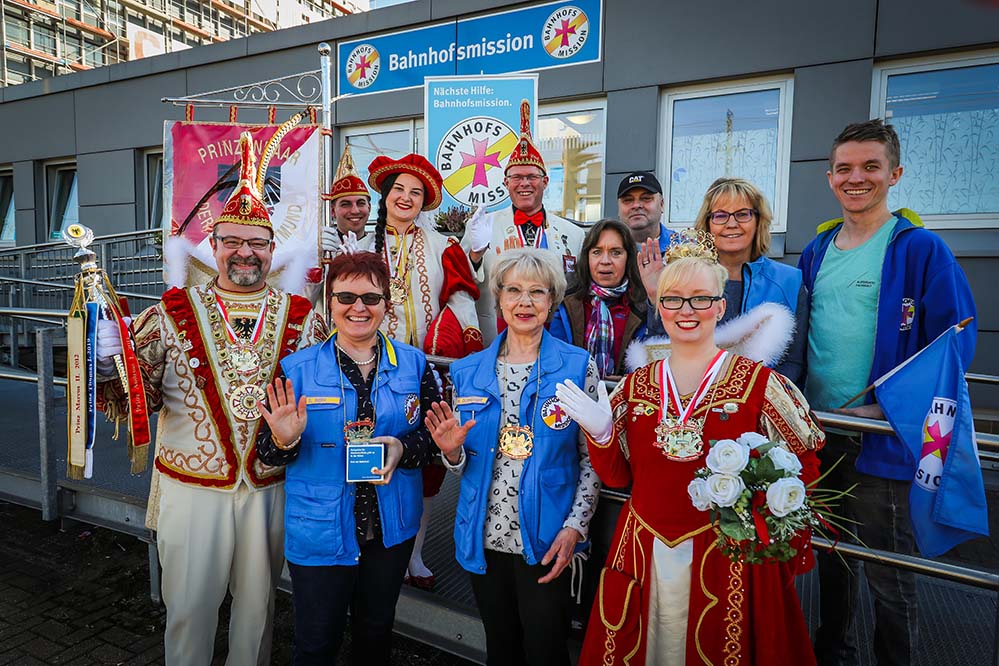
(606, 309)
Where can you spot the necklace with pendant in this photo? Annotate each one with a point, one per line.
(681, 438)
(361, 430)
(245, 362)
(516, 441)
(399, 272)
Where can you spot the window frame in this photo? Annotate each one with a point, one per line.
(581, 106)
(52, 170)
(784, 83)
(879, 100)
(150, 193)
(8, 172)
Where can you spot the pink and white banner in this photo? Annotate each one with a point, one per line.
(197, 154)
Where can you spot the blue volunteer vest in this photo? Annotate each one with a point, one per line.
(550, 475)
(769, 281)
(319, 503)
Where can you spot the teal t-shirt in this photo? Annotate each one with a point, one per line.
(842, 321)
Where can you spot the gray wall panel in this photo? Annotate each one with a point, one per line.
(126, 114)
(54, 84)
(108, 219)
(397, 17)
(981, 273)
(106, 178)
(251, 69)
(933, 24)
(809, 203)
(971, 242)
(575, 81)
(678, 41)
(827, 98)
(25, 229)
(632, 131)
(379, 106)
(38, 128)
(24, 185)
(986, 362)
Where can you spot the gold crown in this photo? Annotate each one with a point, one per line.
(691, 243)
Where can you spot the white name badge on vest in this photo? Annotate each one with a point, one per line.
(362, 457)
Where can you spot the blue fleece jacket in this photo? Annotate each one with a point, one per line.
(923, 292)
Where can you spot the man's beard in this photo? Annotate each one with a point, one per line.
(244, 278)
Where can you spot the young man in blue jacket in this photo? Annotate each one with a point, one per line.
(882, 287)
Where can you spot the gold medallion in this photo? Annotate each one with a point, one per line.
(516, 442)
(680, 441)
(246, 360)
(243, 402)
(356, 432)
(398, 291)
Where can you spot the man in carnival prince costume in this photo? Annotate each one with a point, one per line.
(205, 354)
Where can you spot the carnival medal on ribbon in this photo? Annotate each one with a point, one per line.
(681, 438)
(95, 299)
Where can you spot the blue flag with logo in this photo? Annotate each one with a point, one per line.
(926, 401)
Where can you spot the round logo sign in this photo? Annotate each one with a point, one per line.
(469, 159)
(363, 65)
(565, 32)
(936, 441)
(554, 415)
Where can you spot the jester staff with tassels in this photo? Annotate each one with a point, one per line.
(206, 353)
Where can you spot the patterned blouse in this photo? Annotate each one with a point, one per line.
(502, 519)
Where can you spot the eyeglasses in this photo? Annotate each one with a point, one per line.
(349, 297)
(532, 178)
(512, 293)
(742, 216)
(235, 243)
(696, 302)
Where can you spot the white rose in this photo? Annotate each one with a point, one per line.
(699, 496)
(727, 457)
(784, 460)
(724, 489)
(752, 439)
(785, 496)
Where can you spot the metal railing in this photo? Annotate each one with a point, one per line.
(78, 502)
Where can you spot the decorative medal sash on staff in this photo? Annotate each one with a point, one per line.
(95, 299)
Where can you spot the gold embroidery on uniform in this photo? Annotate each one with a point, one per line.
(671, 543)
(733, 615)
(711, 604)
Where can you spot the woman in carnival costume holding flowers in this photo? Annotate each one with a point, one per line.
(701, 566)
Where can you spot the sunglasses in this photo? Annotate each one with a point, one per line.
(349, 297)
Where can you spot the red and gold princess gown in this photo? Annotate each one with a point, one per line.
(736, 613)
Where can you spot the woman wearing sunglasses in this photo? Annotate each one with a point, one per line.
(348, 544)
(667, 593)
(527, 489)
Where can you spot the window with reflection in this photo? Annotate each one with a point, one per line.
(7, 217)
(154, 190)
(571, 142)
(736, 131)
(63, 207)
(947, 120)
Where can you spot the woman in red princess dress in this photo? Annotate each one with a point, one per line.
(667, 594)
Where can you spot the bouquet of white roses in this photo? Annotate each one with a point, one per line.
(758, 503)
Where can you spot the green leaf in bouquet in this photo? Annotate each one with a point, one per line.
(766, 471)
(732, 527)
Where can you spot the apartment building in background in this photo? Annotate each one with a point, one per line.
(43, 38)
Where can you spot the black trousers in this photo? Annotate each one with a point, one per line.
(525, 622)
(322, 595)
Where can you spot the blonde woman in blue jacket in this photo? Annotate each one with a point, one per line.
(528, 490)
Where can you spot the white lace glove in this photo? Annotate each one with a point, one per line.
(479, 229)
(593, 417)
(108, 345)
(330, 238)
(350, 244)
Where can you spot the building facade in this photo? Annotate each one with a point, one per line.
(690, 91)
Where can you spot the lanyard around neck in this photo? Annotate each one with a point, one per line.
(670, 392)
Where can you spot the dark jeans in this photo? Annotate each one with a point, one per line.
(881, 506)
(526, 623)
(322, 595)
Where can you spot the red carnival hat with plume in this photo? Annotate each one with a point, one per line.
(526, 153)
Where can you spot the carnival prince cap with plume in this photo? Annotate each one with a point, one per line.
(526, 153)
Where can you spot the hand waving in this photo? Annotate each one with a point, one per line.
(285, 417)
(447, 433)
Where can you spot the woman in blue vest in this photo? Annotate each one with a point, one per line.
(737, 215)
(528, 490)
(348, 544)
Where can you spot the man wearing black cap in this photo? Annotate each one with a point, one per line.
(640, 206)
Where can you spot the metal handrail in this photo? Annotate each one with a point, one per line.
(60, 285)
(19, 249)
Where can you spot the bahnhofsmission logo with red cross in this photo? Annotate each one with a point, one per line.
(565, 32)
(470, 158)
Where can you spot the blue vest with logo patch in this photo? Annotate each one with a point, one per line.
(549, 477)
(319, 503)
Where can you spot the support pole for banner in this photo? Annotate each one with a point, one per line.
(326, 170)
(46, 433)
